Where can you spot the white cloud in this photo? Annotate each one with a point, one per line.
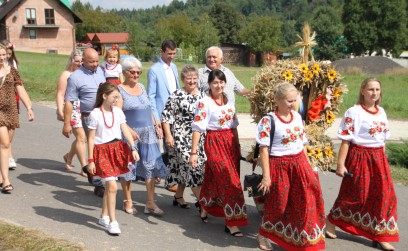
(129, 4)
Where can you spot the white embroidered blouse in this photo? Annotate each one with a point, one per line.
(112, 70)
(363, 128)
(288, 138)
(211, 116)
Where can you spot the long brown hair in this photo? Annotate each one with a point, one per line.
(104, 88)
(360, 99)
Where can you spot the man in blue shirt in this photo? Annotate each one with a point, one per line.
(83, 85)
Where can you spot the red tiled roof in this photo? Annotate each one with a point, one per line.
(89, 37)
(119, 38)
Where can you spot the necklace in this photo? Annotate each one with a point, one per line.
(371, 112)
(104, 121)
(281, 119)
(219, 104)
(107, 68)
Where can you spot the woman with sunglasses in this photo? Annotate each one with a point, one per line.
(137, 108)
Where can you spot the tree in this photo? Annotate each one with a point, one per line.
(262, 34)
(227, 21)
(392, 26)
(360, 25)
(326, 22)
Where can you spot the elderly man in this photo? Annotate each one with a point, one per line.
(213, 61)
(162, 80)
(82, 85)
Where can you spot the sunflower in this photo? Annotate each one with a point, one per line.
(318, 153)
(330, 117)
(332, 74)
(309, 151)
(337, 93)
(328, 151)
(304, 68)
(316, 68)
(287, 75)
(308, 76)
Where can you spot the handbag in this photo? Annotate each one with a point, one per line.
(252, 181)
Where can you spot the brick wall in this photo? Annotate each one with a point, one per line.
(61, 39)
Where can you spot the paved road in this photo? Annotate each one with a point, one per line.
(61, 204)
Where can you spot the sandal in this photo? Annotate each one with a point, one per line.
(131, 210)
(7, 189)
(157, 211)
(176, 203)
(330, 230)
(235, 234)
(263, 244)
(68, 164)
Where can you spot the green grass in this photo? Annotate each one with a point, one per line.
(40, 72)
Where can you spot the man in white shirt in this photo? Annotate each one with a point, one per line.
(162, 81)
(213, 61)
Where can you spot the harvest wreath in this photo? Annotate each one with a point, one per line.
(321, 90)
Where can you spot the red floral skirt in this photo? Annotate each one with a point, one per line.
(367, 204)
(221, 192)
(112, 159)
(293, 214)
(115, 81)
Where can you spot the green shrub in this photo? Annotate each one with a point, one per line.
(398, 153)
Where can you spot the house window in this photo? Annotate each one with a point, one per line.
(32, 34)
(31, 17)
(49, 16)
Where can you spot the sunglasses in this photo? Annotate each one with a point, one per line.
(134, 72)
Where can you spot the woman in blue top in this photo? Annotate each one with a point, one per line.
(137, 109)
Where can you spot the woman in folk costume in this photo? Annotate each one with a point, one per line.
(366, 204)
(221, 192)
(293, 214)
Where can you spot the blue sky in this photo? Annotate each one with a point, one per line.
(130, 4)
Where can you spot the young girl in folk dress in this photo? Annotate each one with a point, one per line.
(366, 204)
(109, 157)
(112, 66)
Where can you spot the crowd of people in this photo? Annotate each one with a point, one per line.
(187, 135)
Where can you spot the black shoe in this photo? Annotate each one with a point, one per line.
(99, 191)
(235, 234)
(85, 170)
(176, 203)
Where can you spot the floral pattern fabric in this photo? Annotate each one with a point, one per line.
(288, 138)
(367, 203)
(210, 116)
(179, 113)
(363, 128)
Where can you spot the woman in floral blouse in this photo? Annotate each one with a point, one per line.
(177, 116)
(366, 204)
(221, 192)
(293, 214)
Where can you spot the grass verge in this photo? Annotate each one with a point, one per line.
(14, 237)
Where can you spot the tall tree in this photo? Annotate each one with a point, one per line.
(227, 21)
(326, 21)
(360, 25)
(262, 34)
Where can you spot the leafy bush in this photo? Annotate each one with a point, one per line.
(398, 153)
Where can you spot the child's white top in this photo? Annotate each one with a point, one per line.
(103, 133)
(112, 70)
(288, 138)
(210, 116)
(363, 128)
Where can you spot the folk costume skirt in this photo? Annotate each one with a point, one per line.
(112, 159)
(293, 214)
(367, 204)
(221, 192)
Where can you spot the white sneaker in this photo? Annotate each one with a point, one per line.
(104, 221)
(12, 164)
(113, 228)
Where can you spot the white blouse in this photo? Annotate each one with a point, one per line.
(103, 133)
(288, 138)
(363, 128)
(211, 116)
(112, 70)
